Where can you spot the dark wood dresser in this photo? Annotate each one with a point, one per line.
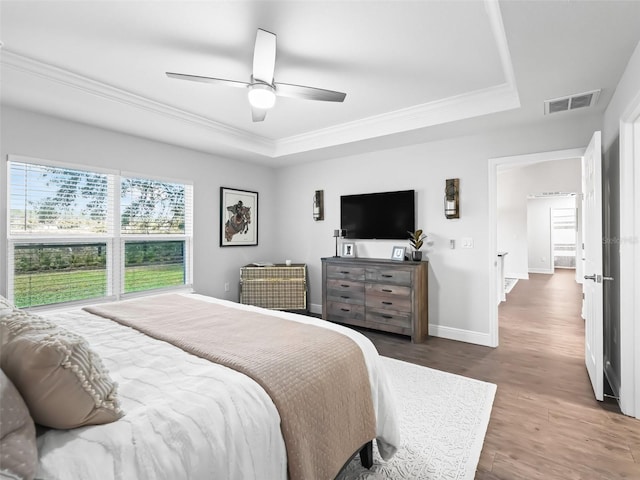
(381, 294)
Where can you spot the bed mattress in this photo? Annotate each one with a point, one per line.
(187, 417)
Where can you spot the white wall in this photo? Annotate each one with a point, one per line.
(540, 258)
(627, 92)
(458, 279)
(514, 184)
(622, 334)
(33, 135)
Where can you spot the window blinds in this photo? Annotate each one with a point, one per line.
(66, 243)
(151, 207)
(50, 200)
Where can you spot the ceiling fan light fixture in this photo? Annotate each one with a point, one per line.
(262, 96)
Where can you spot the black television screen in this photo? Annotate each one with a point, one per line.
(386, 215)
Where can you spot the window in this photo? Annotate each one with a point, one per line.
(151, 265)
(66, 244)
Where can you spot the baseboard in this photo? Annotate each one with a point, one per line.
(315, 308)
(541, 270)
(450, 333)
(519, 276)
(460, 335)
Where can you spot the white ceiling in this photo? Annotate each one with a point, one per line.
(406, 66)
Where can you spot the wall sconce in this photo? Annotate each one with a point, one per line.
(452, 198)
(338, 234)
(318, 205)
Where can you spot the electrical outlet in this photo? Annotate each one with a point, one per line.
(467, 242)
(226, 286)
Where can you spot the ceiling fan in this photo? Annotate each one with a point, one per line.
(262, 90)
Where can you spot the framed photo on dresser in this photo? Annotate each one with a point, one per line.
(348, 250)
(398, 253)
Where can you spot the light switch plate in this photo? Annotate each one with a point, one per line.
(467, 242)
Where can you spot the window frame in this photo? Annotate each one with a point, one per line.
(113, 237)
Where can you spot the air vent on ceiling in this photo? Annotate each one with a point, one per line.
(580, 100)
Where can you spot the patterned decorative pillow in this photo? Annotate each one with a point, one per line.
(5, 307)
(18, 450)
(62, 381)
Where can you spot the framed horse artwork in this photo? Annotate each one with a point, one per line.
(238, 217)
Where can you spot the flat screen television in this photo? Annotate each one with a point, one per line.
(385, 215)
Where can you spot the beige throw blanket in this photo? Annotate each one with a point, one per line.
(317, 378)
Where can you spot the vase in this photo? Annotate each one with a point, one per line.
(416, 256)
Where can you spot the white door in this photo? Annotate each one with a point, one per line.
(592, 286)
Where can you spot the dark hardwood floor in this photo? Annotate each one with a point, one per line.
(545, 422)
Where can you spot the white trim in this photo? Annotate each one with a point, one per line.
(223, 133)
(113, 238)
(497, 98)
(630, 260)
(468, 105)
(315, 308)
(94, 169)
(60, 164)
(514, 160)
(468, 336)
(544, 271)
(519, 276)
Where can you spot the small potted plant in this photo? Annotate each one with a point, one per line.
(416, 240)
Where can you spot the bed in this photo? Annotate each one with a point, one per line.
(184, 416)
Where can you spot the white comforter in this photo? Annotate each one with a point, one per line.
(185, 416)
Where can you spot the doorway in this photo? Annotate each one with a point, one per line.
(506, 171)
(564, 229)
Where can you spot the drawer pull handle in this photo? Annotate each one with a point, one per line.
(345, 286)
(345, 309)
(387, 303)
(345, 272)
(387, 276)
(345, 296)
(387, 290)
(387, 316)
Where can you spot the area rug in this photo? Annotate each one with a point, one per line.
(443, 421)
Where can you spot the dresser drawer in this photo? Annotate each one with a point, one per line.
(381, 318)
(401, 303)
(388, 275)
(340, 310)
(379, 294)
(388, 290)
(345, 272)
(345, 291)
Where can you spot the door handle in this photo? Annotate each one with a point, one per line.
(597, 278)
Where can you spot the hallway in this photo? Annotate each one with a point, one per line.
(545, 423)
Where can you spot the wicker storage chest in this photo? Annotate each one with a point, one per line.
(279, 287)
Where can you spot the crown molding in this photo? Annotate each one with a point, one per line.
(493, 99)
(481, 102)
(224, 133)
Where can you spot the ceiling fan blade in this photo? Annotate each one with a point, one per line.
(264, 56)
(196, 78)
(258, 114)
(308, 93)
